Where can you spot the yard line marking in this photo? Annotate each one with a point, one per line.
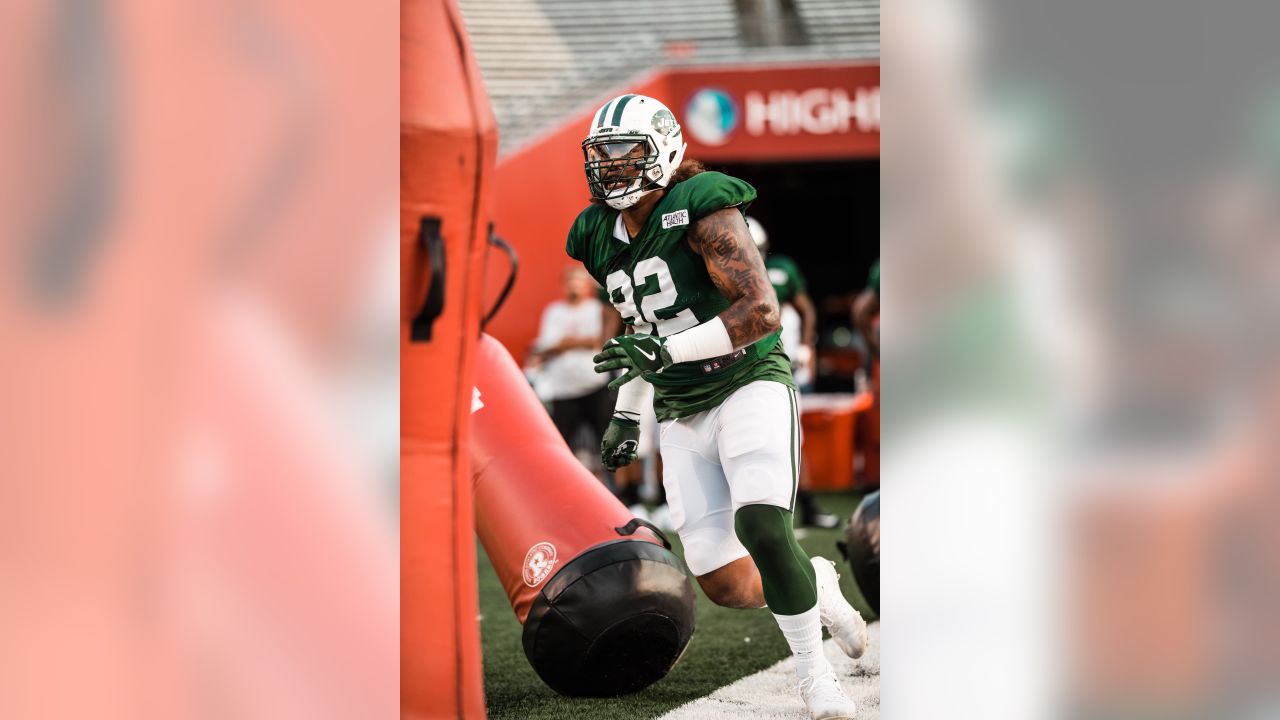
(771, 693)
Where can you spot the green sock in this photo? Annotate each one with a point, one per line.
(790, 585)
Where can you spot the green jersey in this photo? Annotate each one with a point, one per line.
(785, 277)
(660, 286)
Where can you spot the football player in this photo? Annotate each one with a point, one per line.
(799, 333)
(669, 243)
(866, 311)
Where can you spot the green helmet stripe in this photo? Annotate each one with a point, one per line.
(600, 115)
(604, 114)
(617, 111)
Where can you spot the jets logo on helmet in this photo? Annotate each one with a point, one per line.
(664, 122)
(633, 147)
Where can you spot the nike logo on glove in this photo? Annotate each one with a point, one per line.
(633, 354)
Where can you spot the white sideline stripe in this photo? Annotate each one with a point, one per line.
(771, 694)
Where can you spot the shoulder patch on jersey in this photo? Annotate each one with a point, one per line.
(675, 219)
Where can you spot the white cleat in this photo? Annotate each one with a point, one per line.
(825, 699)
(844, 623)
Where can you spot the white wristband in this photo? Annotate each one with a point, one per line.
(632, 398)
(708, 340)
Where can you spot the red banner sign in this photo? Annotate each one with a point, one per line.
(779, 113)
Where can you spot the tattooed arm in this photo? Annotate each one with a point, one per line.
(736, 268)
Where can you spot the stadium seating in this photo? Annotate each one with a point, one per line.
(545, 59)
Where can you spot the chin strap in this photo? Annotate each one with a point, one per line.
(637, 195)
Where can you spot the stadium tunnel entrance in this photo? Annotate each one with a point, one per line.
(826, 217)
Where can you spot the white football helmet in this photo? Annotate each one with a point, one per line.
(633, 147)
(757, 233)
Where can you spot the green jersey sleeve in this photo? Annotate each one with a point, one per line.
(794, 277)
(574, 240)
(712, 191)
(797, 277)
(785, 276)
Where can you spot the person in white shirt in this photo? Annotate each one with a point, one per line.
(571, 332)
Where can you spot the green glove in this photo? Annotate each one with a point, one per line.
(621, 440)
(636, 354)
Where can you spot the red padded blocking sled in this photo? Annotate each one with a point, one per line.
(448, 148)
(525, 475)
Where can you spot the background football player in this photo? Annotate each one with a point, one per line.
(799, 337)
(669, 243)
(799, 317)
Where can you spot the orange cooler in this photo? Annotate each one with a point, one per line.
(827, 420)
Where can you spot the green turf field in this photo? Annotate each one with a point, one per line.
(718, 654)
